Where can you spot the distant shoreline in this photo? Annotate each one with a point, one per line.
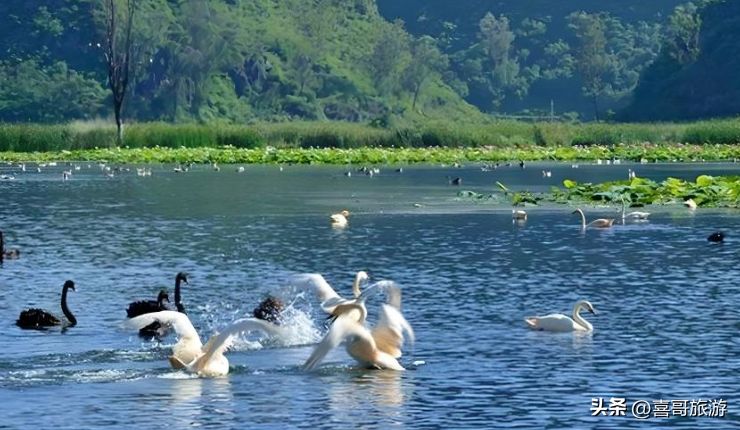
(353, 143)
(388, 156)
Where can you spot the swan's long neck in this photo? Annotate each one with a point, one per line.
(583, 218)
(356, 286)
(579, 319)
(363, 313)
(65, 309)
(178, 297)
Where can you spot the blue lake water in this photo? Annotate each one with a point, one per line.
(667, 301)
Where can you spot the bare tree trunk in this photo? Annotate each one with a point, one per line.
(118, 58)
(416, 95)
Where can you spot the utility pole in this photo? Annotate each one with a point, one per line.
(552, 110)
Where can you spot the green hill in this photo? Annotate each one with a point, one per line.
(542, 57)
(704, 85)
(222, 60)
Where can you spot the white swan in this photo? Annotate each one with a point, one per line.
(379, 348)
(690, 203)
(598, 223)
(329, 298)
(563, 323)
(190, 354)
(340, 219)
(518, 215)
(634, 215)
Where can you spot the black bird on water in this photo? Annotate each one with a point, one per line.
(270, 309)
(716, 237)
(142, 307)
(39, 318)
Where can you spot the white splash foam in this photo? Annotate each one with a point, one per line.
(100, 375)
(298, 328)
(177, 375)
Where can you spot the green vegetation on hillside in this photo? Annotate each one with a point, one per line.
(240, 62)
(518, 56)
(221, 61)
(696, 74)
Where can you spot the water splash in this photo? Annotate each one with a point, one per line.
(299, 329)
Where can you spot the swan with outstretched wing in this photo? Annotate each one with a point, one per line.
(378, 348)
(190, 354)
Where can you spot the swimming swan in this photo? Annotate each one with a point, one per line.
(142, 307)
(179, 278)
(39, 318)
(598, 223)
(340, 219)
(563, 323)
(190, 354)
(634, 215)
(146, 306)
(378, 348)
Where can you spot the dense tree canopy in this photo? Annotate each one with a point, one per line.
(696, 73)
(239, 61)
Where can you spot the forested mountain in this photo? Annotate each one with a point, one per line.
(373, 61)
(518, 55)
(227, 60)
(696, 76)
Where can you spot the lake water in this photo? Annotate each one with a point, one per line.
(667, 300)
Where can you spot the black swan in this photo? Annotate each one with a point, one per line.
(181, 277)
(39, 318)
(269, 310)
(147, 306)
(142, 307)
(9, 254)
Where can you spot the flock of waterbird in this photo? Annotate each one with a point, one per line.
(378, 347)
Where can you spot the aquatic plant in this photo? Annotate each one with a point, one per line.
(707, 191)
(374, 155)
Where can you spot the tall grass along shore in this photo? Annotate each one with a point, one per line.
(340, 143)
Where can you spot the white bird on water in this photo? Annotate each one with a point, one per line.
(190, 354)
(379, 348)
(326, 294)
(563, 323)
(340, 219)
(598, 223)
(637, 215)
